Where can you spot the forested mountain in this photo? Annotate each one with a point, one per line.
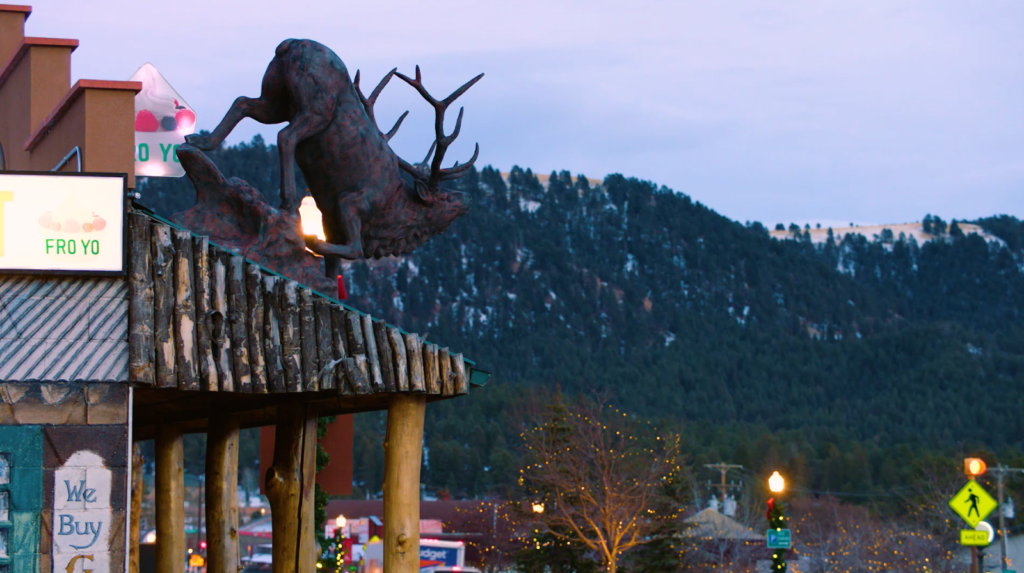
(853, 353)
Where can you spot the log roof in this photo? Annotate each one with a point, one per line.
(204, 319)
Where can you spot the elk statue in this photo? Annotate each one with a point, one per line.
(368, 208)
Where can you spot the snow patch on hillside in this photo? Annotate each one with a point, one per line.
(915, 230)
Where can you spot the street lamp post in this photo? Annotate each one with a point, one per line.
(776, 520)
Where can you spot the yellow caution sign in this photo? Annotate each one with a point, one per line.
(973, 537)
(972, 503)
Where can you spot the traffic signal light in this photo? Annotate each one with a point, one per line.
(974, 467)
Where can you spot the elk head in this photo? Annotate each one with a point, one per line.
(427, 178)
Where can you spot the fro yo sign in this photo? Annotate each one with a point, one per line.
(162, 120)
(62, 222)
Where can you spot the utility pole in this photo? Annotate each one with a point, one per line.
(1000, 472)
(724, 468)
(1002, 517)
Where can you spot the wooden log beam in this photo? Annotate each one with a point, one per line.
(135, 511)
(403, 452)
(141, 353)
(354, 335)
(430, 370)
(355, 372)
(237, 314)
(222, 495)
(414, 354)
(163, 306)
(289, 487)
(184, 312)
(444, 364)
(204, 341)
(461, 379)
(308, 345)
(325, 364)
(291, 341)
(340, 349)
(219, 320)
(386, 357)
(170, 500)
(372, 357)
(401, 364)
(254, 319)
(272, 334)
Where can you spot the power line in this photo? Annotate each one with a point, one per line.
(723, 468)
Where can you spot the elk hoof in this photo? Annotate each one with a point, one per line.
(199, 141)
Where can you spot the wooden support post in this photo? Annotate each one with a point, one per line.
(238, 308)
(204, 341)
(221, 495)
(170, 500)
(184, 312)
(254, 291)
(135, 511)
(403, 452)
(289, 487)
(163, 306)
(141, 353)
(307, 334)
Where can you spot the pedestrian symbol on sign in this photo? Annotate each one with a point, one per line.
(973, 499)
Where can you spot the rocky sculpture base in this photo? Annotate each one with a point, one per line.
(238, 218)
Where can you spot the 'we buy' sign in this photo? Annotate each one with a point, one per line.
(81, 515)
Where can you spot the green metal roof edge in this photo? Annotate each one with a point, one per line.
(477, 377)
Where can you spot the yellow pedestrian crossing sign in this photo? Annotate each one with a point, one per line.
(972, 503)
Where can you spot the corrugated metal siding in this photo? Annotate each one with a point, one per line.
(63, 329)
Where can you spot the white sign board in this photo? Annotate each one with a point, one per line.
(162, 120)
(81, 515)
(62, 223)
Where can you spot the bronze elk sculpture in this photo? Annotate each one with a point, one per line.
(368, 208)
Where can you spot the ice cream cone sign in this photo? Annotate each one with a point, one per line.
(162, 120)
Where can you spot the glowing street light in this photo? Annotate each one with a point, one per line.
(341, 521)
(776, 483)
(538, 507)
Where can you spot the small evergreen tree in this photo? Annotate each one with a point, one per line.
(954, 229)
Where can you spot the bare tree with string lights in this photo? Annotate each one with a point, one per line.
(596, 477)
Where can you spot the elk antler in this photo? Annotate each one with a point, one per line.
(368, 103)
(441, 141)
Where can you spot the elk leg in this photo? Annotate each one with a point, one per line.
(351, 250)
(332, 266)
(302, 126)
(259, 109)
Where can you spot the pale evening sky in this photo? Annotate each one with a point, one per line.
(866, 110)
